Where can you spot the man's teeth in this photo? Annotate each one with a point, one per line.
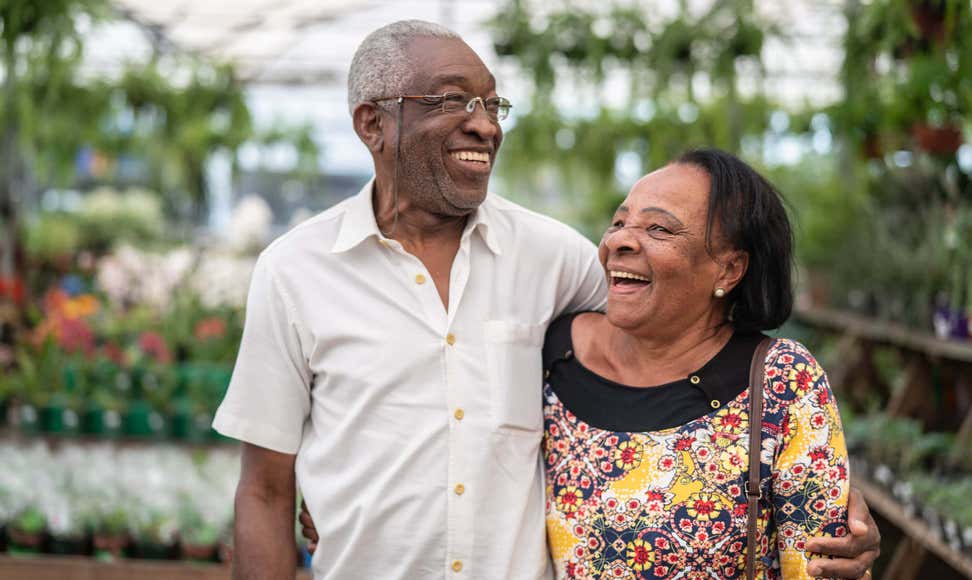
(471, 156)
(628, 275)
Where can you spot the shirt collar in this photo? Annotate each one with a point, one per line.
(358, 223)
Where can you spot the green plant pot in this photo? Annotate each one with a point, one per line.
(142, 421)
(100, 422)
(58, 420)
(181, 426)
(28, 419)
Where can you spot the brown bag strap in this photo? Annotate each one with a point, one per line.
(753, 494)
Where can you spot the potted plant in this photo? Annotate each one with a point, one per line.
(26, 531)
(197, 537)
(67, 535)
(154, 536)
(101, 415)
(109, 532)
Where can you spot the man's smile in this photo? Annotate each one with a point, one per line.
(472, 161)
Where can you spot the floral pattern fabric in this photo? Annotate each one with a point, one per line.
(672, 503)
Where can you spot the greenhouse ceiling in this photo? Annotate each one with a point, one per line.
(306, 42)
(310, 42)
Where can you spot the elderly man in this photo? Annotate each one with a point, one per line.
(391, 355)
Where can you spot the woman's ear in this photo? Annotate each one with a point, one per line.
(367, 120)
(734, 266)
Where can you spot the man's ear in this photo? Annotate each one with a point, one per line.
(368, 124)
(734, 266)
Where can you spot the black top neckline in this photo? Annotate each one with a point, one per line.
(614, 406)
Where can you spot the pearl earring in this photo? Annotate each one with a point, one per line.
(720, 292)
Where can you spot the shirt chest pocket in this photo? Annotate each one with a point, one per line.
(515, 369)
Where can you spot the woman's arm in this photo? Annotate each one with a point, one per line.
(810, 469)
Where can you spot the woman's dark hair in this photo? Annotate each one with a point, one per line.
(752, 218)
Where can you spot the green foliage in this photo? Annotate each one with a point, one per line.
(31, 521)
(51, 235)
(575, 152)
(109, 217)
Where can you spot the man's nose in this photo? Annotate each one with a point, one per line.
(478, 121)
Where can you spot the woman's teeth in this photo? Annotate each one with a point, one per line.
(628, 275)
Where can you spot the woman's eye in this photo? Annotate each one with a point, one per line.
(658, 228)
(618, 224)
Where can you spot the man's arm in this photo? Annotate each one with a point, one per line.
(855, 553)
(264, 544)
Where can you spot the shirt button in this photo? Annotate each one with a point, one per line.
(460, 489)
(457, 566)
(451, 339)
(459, 414)
(419, 279)
(694, 379)
(715, 404)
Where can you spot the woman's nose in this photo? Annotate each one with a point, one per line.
(621, 241)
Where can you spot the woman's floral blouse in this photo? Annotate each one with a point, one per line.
(672, 503)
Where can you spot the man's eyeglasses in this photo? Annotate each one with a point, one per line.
(497, 108)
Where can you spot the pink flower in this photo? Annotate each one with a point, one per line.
(212, 327)
(152, 344)
(74, 335)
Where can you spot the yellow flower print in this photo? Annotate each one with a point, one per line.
(640, 555)
(569, 499)
(704, 506)
(731, 420)
(734, 460)
(803, 376)
(627, 455)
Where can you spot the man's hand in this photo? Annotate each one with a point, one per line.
(855, 553)
(307, 528)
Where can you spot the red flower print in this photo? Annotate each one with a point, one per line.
(818, 453)
(684, 443)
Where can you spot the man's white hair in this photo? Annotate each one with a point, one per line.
(380, 67)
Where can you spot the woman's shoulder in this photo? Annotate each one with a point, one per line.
(558, 338)
(792, 371)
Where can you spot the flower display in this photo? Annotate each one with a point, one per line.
(80, 488)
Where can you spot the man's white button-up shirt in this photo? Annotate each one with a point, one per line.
(417, 428)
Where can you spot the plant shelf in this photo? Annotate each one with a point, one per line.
(917, 530)
(80, 568)
(883, 332)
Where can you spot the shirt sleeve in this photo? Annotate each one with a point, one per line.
(268, 398)
(810, 470)
(582, 283)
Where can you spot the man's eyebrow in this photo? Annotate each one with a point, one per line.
(664, 211)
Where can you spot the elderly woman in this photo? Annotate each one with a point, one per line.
(647, 408)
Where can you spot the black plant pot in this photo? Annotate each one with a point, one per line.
(68, 545)
(153, 551)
